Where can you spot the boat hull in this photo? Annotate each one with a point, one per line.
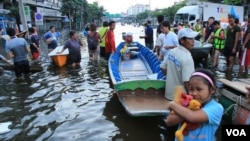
(232, 98)
(59, 59)
(143, 98)
(138, 81)
(141, 66)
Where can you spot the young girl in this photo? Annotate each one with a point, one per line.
(201, 87)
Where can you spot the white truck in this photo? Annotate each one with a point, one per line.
(204, 10)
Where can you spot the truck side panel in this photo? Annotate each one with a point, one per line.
(220, 11)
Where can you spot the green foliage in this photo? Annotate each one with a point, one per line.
(81, 9)
(215, 1)
(95, 12)
(142, 15)
(170, 11)
(14, 11)
(73, 8)
(234, 2)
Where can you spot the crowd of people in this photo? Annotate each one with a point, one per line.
(100, 43)
(173, 50)
(231, 41)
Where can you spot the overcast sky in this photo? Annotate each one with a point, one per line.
(117, 6)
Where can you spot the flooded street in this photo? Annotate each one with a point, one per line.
(65, 104)
(61, 104)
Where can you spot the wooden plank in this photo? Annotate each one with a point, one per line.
(144, 104)
(235, 98)
(58, 49)
(237, 85)
(133, 69)
(142, 77)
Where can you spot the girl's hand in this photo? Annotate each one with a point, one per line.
(171, 104)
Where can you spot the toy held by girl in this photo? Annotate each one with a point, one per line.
(208, 116)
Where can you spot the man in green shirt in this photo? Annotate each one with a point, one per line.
(102, 31)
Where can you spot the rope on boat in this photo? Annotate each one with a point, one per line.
(235, 109)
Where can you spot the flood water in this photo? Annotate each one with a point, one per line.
(66, 104)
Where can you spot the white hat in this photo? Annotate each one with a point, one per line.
(187, 32)
(129, 34)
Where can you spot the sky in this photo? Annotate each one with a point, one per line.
(118, 6)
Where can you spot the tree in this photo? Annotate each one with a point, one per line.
(215, 1)
(142, 15)
(74, 9)
(234, 2)
(95, 12)
(169, 12)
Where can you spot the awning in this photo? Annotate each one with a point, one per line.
(4, 11)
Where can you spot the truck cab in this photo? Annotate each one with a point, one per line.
(188, 14)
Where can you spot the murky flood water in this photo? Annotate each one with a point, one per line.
(79, 104)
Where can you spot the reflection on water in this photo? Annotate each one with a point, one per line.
(70, 104)
(66, 104)
(57, 103)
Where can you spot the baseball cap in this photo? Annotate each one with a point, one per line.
(129, 34)
(187, 32)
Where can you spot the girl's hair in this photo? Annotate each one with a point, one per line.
(207, 76)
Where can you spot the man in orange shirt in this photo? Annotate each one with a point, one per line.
(110, 40)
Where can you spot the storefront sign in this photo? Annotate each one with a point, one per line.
(26, 10)
(48, 12)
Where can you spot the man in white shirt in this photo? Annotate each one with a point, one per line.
(159, 43)
(179, 65)
(170, 40)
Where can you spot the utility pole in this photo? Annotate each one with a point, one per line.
(21, 12)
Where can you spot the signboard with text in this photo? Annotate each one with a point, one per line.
(48, 12)
(26, 10)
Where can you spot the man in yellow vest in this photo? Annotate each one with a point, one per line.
(102, 31)
(198, 28)
(218, 42)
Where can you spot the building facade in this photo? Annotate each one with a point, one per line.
(136, 9)
(39, 13)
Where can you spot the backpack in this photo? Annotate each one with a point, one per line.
(92, 42)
